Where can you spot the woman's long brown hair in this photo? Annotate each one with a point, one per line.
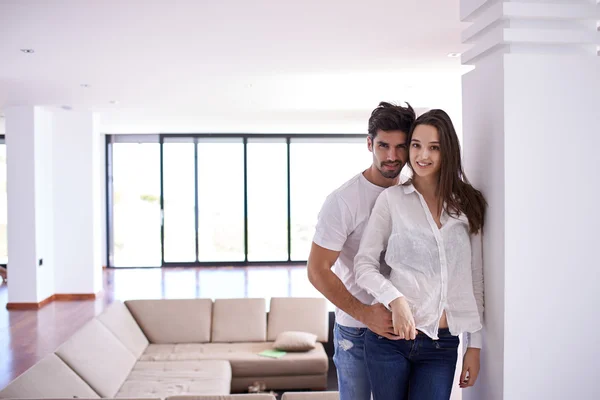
(458, 195)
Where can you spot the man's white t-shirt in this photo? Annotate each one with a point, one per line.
(340, 226)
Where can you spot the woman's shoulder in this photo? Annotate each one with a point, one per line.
(396, 194)
(401, 190)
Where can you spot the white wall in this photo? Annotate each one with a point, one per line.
(98, 205)
(44, 202)
(552, 349)
(101, 165)
(530, 144)
(484, 160)
(30, 222)
(77, 204)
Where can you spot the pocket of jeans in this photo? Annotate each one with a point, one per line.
(351, 332)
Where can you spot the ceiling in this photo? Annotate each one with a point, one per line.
(230, 65)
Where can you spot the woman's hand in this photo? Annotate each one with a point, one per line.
(470, 368)
(402, 319)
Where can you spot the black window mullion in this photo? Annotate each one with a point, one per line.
(162, 204)
(196, 193)
(109, 201)
(245, 199)
(289, 202)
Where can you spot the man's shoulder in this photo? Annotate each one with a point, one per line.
(343, 200)
(347, 191)
(349, 186)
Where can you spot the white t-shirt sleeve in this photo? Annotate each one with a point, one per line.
(367, 261)
(334, 224)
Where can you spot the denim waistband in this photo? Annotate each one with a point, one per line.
(441, 332)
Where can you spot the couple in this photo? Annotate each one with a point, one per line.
(397, 331)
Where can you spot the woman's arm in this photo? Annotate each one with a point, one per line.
(471, 360)
(367, 260)
(475, 339)
(367, 269)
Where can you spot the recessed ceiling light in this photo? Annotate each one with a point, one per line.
(27, 51)
(454, 55)
(84, 85)
(114, 102)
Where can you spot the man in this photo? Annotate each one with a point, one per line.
(340, 225)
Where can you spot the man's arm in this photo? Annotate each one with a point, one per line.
(375, 317)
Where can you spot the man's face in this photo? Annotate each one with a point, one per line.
(390, 152)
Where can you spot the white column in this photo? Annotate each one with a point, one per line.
(77, 198)
(531, 126)
(30, 204)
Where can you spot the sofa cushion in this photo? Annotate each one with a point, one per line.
(226, 397)
(239, 320)
(50, 377)
(298, 314)
(173, 321)
(121, 323)
(96, 355)
(311, 396)
(295, 341)
(244, 358)
(162, 379)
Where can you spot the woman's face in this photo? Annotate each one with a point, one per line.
(425, 154)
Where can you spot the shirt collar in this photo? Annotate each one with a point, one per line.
(408, 187)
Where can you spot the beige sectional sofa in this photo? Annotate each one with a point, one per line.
(286, 396)
(165, 348)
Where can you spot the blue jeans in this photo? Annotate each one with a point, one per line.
(349, 360)
(420, 369)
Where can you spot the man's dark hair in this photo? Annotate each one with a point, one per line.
(390, 117)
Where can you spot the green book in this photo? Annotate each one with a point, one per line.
(272, 353)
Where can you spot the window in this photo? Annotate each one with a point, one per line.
(318, 167)
(226, 199)
(3, 205)
(267, 200)
(136, 205)
(179, 210)
(221, 200)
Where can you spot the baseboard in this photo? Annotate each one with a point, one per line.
(29, 306)
(74, 296)
(54, 297)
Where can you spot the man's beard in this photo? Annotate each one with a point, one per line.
(390, 174)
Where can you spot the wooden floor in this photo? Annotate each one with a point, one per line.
(28, 336)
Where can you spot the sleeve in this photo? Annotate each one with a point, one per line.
(367, 260)
(334, 224)
(475, 339)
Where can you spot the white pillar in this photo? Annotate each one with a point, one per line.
(30, 203)
(531, 126)
(78, 200)
(54, 182)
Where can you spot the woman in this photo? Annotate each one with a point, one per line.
(430, 229)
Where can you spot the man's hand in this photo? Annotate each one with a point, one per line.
(379, 320)
(470, 368)
(402, 318)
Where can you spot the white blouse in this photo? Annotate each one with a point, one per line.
(435, 269)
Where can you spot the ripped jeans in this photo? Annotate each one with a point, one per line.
(349, 359)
